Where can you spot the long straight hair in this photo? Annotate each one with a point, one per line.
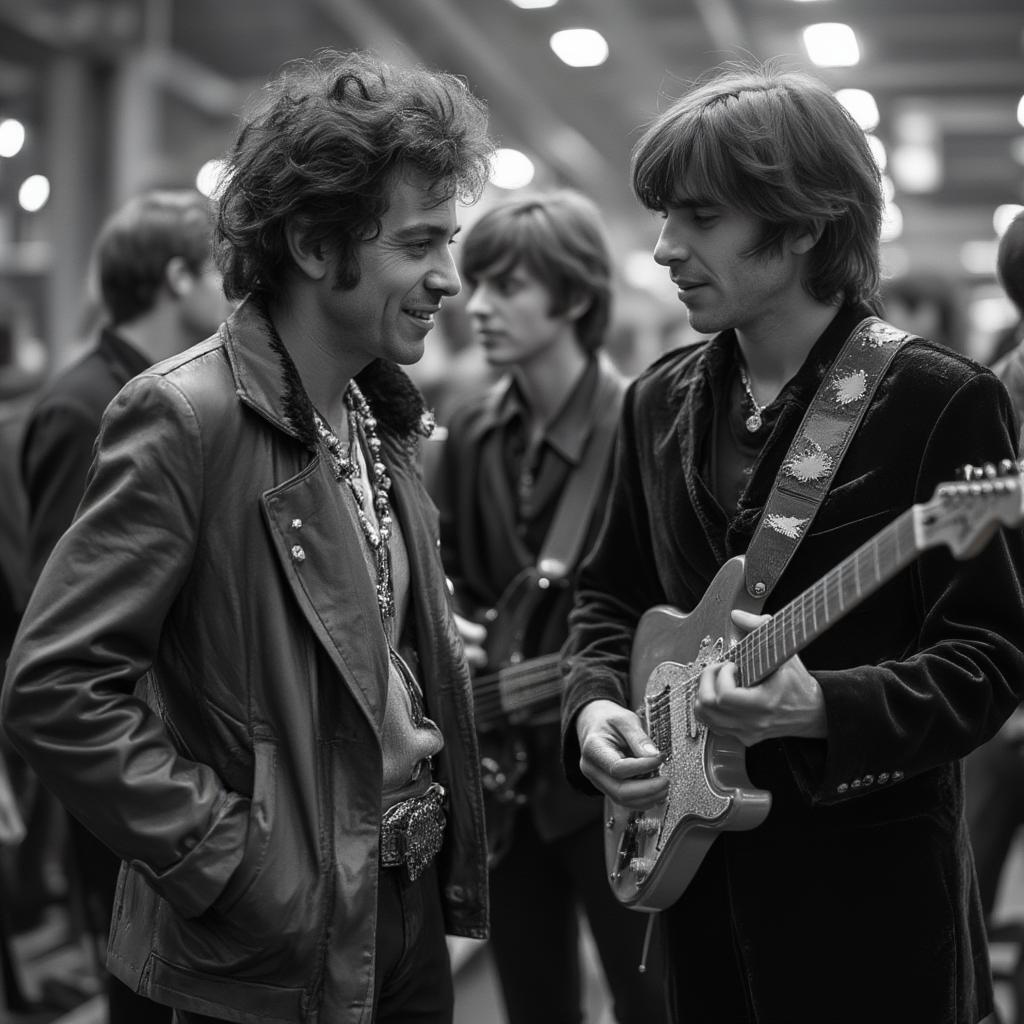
(776, 144)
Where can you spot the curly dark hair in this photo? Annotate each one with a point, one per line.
(779, 145)
(321, 145)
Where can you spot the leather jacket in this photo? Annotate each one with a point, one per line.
(201, 675)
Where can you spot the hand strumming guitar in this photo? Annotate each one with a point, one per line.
(787, 703)
(617, 756)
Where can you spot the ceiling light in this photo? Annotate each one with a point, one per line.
(208, 178)
(979, 257)
(580, 47)
(1020, 111)
(12, 137)
(34, 192)
(1003, 215)
(511, 169)
(531, 5)
(831, 44)
(861, 105)
(916, 168)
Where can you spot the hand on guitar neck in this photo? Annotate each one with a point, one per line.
(620, 759)
(787, 703)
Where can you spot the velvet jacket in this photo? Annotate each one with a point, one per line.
(201, 677)
(855, 900)
(484, 547)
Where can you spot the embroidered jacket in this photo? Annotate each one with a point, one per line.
(856, 898)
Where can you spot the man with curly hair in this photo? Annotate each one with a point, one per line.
(240, 667)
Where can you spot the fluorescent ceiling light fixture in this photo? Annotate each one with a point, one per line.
(208, 177)
(877, 147)
(34, 192)
(511, 169)
(532, 5)
(831, 44)
(1003, 215)
(12, 137)
(861, 105)
(580, 47)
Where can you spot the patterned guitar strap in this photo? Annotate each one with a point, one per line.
(810, 465)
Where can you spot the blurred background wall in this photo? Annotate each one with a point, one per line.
(102, 98)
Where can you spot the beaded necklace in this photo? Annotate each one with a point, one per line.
(346, 468)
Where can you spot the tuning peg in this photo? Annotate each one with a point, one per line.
(966, 471)
(1007, 467)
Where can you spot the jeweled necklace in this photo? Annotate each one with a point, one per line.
(755, 419)
(346, 468)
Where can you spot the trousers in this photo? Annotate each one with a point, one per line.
(413, 977)
(537, 891)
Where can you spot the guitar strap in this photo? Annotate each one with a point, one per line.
(562, 546)
(810, 465)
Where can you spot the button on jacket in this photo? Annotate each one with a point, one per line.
(201, 677)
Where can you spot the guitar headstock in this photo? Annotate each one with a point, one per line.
(963, 514)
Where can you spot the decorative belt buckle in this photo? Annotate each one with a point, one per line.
(414, 829)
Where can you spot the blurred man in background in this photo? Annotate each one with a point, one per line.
(1009, 365)
(159, 293)
(524, 473)
(995, 771)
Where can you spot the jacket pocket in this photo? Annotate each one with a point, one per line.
(266, 922)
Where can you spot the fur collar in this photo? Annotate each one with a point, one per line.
(396, 402)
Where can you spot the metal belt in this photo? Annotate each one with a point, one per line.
(412, 831)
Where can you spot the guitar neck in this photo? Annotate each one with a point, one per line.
(764, 649)
(521, 687)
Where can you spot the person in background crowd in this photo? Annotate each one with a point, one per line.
(540, 276)
(160, 293)
(854, 897)
(239, 666)
(995, 771)
(1009, 362)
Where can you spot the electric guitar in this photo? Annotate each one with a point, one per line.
(507, 694)
(652, 855)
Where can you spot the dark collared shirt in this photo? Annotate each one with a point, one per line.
(537, 473)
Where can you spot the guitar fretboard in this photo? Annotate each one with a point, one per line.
(530, 684)
(790, 629)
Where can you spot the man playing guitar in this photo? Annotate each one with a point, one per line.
(853, 898)
(521, 487)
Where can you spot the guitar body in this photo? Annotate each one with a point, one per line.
(652, 855)
(521, 694)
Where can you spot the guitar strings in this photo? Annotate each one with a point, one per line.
(834, 592)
